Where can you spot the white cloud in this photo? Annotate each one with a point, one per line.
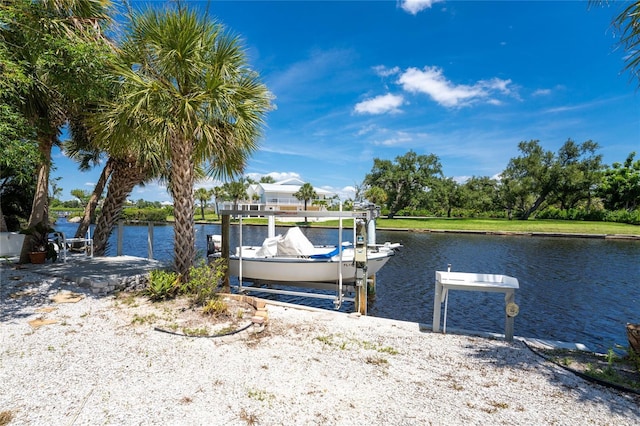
(400, 138)
(542, 92)
(383, 71)
(380, 104)
(431, 81)
(415, 6)
(278, 176)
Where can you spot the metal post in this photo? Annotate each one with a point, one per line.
(225, 251)
(272, 227)
(120, 237)
(150, 241)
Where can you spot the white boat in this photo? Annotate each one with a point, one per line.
(292, 258)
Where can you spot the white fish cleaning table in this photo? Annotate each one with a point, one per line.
(446, 281)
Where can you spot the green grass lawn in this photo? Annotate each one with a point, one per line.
(492, 225)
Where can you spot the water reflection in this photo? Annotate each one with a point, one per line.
(571, 289)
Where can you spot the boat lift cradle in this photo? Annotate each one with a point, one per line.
(365, 216)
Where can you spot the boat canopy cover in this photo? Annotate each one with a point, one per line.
(294, 243)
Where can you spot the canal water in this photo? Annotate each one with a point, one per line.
(571, 289)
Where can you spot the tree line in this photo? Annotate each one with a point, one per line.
(571, 184)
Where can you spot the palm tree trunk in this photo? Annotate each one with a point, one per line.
(182, 179)
(90, 208)
(124, 177)
(40, 206)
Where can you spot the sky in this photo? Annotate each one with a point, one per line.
(464, 80)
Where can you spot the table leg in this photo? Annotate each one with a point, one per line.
(509, 297)
(437, 303)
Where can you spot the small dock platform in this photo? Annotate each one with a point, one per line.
(101, 275)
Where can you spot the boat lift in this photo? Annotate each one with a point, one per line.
(364, 235)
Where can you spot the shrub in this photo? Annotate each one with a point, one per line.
(204, 280)
(163, 285)
(215, 306)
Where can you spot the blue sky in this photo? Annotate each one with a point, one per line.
(464, 80)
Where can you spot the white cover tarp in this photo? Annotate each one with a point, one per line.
(294, 243)
(269, 247)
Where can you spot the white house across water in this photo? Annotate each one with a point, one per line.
(279, 196)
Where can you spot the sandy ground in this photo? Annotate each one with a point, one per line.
(103, 360)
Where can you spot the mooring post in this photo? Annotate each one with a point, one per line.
(361, 299)
(225, 251)
(120, 237)
(150, 241)
(371, 285)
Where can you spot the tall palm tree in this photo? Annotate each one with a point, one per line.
(203, 195)
(188, 94)
(306, 193)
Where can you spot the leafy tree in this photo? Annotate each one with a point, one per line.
(306, 193)
(404, 180)
(267, 179)
(203, 195)
(18, 163)
(376, 195)
(447, 194)
(540, 176)
(620, 187)
(188, 94)
(57, 53)
(530, 178)
(480, 194)
(579, 173)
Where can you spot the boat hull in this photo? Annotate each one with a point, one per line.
(282, 269)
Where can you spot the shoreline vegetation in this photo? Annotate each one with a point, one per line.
(542, 227)
(493, 226)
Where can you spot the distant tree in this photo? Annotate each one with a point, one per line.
(203, 195)
(82, 196)
(620, 187)
(531, 177)
(579, 173)
(447, 193)
(376, 195)
(267, 179)
(404, 180)
(480, 194)
(306, 193)
(540, 176)
(236, 191)
(218, 194)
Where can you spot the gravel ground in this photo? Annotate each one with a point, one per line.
(95, 365)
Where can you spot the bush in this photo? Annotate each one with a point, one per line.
(163, 285)
(203, 282)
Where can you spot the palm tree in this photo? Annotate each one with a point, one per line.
(203, 195)
(218, 194)
(188, 94)
(236, 191)
(306, 193)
